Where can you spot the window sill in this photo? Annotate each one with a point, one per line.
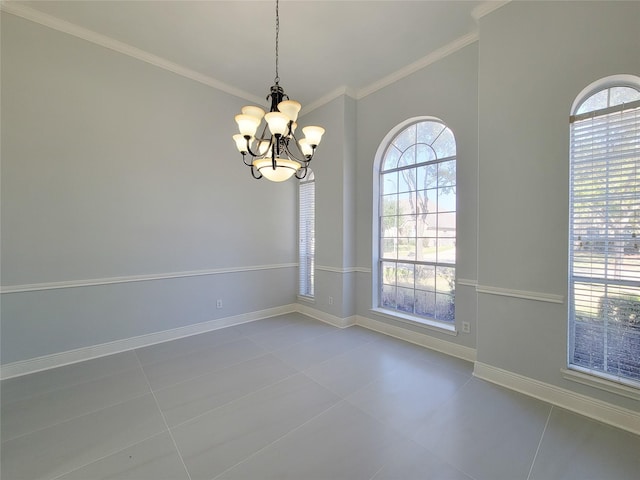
(307, 299)
(417, 321)
(576, 375)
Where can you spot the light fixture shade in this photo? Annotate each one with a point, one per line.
(305, 147)
(263, 146)
(277, 122)
(284, 169)
(313, 134)
(247, 124)
(290, 108)
(253, 111)
(241, 143)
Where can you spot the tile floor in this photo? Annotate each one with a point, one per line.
(292, 398)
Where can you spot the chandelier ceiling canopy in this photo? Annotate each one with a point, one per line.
(276, 153)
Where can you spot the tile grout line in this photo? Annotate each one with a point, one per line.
(136, 397)
(341, 400)
(544, 430)
(236, 399)
(106, 456)
(163, 418)
(71, 385)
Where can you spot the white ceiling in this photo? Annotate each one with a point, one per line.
(325, 46)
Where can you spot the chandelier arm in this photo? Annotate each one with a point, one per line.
(305, 158)
(254, 155)
(304, 174)
(253, 173)
(244, 160)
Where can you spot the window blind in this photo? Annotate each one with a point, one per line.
(306, 249)
(604, 323)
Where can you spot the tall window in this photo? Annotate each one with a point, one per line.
(417, 223)
(604, 259)
(307, 222)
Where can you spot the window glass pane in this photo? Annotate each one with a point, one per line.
(407, 180)
(406, 138)
(595, 102)
(429, 131)
(407, 248)
(405, 275)
(424, 153)
(445, 144)
(408, 157)
(427, 249)
(447, 250)
(407, 203)
(446, 224)
(447, 173)
(389, 250)
(389, 183)
(422, 201)
(388, 296)
(389, 273)
(389, 226)
(407, 226)
(430, 179)
(429, 225)
(620, 95)
(445, 280)
(391, 157)
(426, 277)
(446, 200)
(445, 308)
(425, 303)
(389, 205)
(405, 300)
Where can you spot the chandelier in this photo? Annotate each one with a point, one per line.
(271, 154)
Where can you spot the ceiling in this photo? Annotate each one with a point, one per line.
(325, 46)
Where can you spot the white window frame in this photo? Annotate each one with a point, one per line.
(306, 237)
(582, 284)
(427, 322)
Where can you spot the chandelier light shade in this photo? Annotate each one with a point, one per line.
(267, 140)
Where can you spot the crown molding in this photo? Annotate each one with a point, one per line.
(329, 97)
(69, 28)
(425, 61)
(486, 8)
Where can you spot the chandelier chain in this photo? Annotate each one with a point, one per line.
(277, 79)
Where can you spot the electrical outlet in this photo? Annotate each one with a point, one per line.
(466, 327)
(330, 300)
(219, 303)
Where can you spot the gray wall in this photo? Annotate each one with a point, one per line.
(535, 58)
(112, 167)
(335, 170)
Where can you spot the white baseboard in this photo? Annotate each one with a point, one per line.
(46, 362)
(590, 407)
(326, 317)
(450, 348)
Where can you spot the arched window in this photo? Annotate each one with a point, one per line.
(604, 230)
(307, 234)
(416, 222)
